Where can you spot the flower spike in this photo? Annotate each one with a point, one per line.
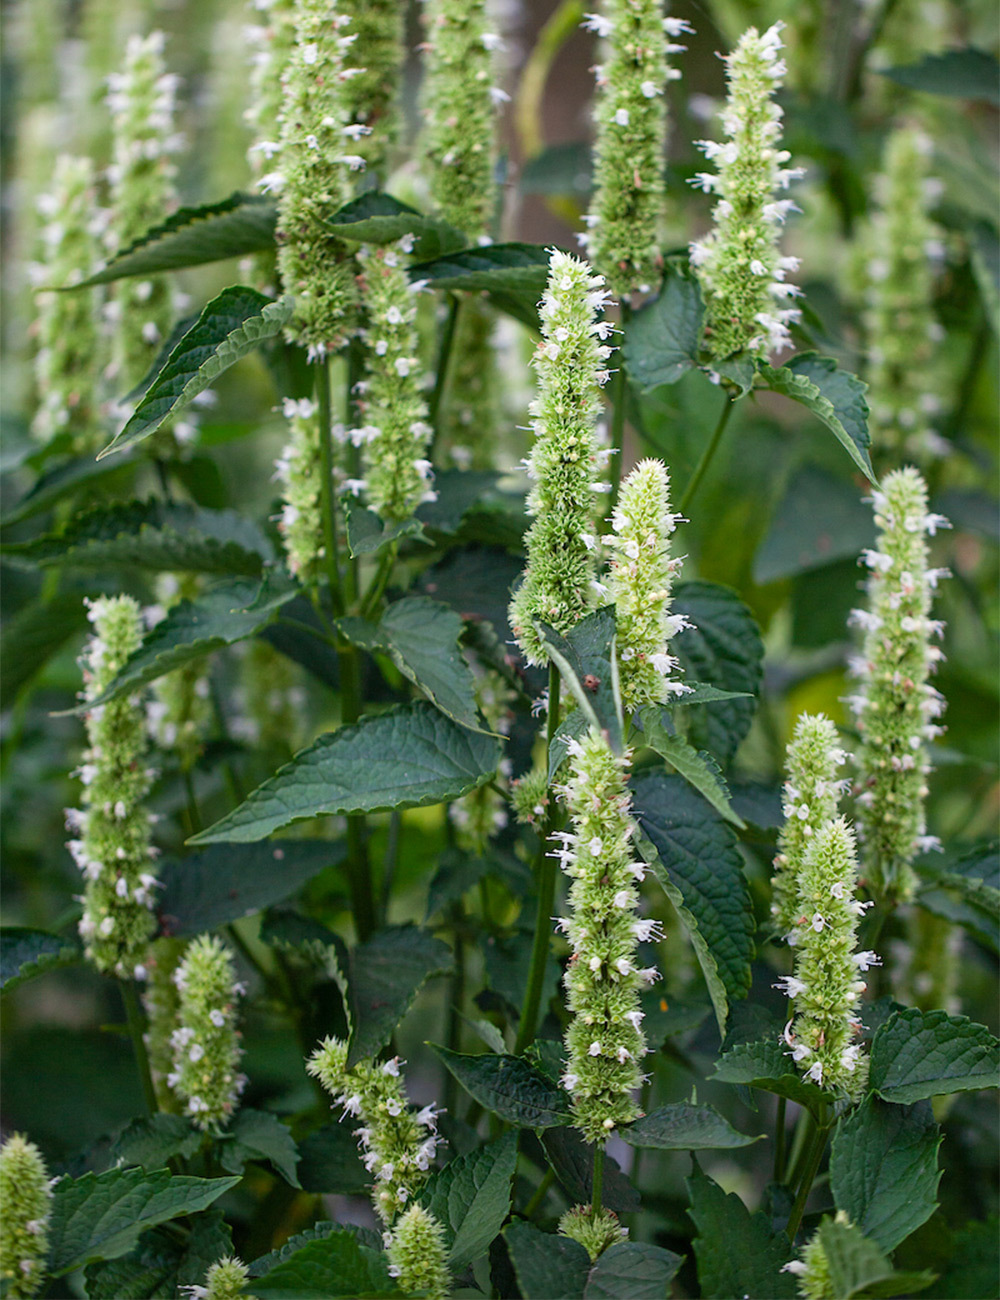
(417, 1255)
(25, 1209)
(206, 1041)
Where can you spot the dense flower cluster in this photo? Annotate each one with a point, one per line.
(571, 360)
(399, 1145)
(812, 1268)
(372, 94)
(25, 1208)
(180, 712)
(270, 697)
(640, 576)
(224, 1281)
(112, 831)
(604, 1042)
(417, 1255)
(299, 469)
(481, 813)
(472, 411)
(623, 239)
(595, 1230)
(741, 271)
(271, 41)
(896, 706)
(206, 1041)
(810, 799)
(161, 999)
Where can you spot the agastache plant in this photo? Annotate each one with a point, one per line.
(417, 1254)
(742, 272)
(180, 712)
(225, 1280)
(372, 95)
(623, 239)
(272, 39)
(25, 1210)
(206, 1041)
(896, 706)
(299, 469)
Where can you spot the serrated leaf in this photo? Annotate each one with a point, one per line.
(368, 535)
(62, 481)
(258, 1135)
(547, 1266)
(635, 1269)
(918, 1054)
(685, 1127)
(722, 648)
(835, 396)
(408, 756)
(572, 1162)
(470, 1197)
(820, 519)
(34, 634)
(154, 535)
(318, 1232)
(965, 890)
(510, 1087)
(736, 372)
(765, 1065)
(377, 218)
(513, 276)
(224, 883)
(663, 338)
(163, 1262)
(883, 1169)
(329, 1162)
(697, 854)
(700, 770)
(241, 224)
(965, 74)
(585, 658)
(384, 976)
(857, 1268)
(737, 1252)
(25, 953)
(155, 1139)
(100, 1216)
(233, 324)
(336, 1265)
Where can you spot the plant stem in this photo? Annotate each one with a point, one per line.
(327, 493)
(193, 815)
(359, 874)
(545, 867)
(809, 1173)
(134, 1018)
(706, 456)
(378, 585)
(539, 1194)
(598, 1192)
(779, 1142)
(804, 1130)
(436, 400)
(619, 399)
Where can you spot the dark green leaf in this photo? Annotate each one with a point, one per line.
(859, 1269)
(377, 218)
(736, 372)
(510, 1087)
(918, 1054)
(883, 1169)
(241, 224)
(765, 1065)
(368, 535)
(587, 653)
(702, 693)
(548, 1267)
(470, 1197)
(560, 169)
(467, 495)
(163, 1262)
(965, 74)
(737, 1252)
(835, 396)
(685, 1127)
(572, 1162)
(152, 1141)
(632, 1268)
(100, 1216)
(965, 890)
(384, 976)
(233, 324)
(336, 1265)
(63, 481)
(318, 1232)
(26, 953)
(984, 255)
(973, 1272)
(573, 727)
(457, 872)
(819, 519)
(329, 1162)
(662, 339)
(407, 757)
(701, 771)
(33, 636)
(258, 1135)
(513, 276)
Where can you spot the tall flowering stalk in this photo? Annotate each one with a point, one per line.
(640, 576)
(570, 362)
(161, 1000)
(459, 106)
(742, 273)
(271, 40)
(180, 712)
(206, 1042)
(810, 797)
(25, 1209)
(826, 987)
(299, 470)
(896, 706)
(623, 239)
(417, 1255)
(399, 1145)
(372, 95)
(482, 813)
(471, 414)
(112, 846)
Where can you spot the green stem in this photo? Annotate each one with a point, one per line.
(805, 1187)
(456, 1000)
(436, 401)
(598, 1192)
(804, 1131)
(545, 868)
(359, 874)
(378, 585)
(193, 815)
(539, 1194)
(355, 374)
(619, 401)
(134, 1018)
(563, 23)
(779, 1142)
(706, 457)
(328, 496)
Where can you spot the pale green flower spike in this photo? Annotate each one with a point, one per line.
(417, 1255)
(929, 962)
(479, 815)
(206, 1041)
(396, 434)
(559, 578)
(372, 95)
(68, 359)
(25, 1206)
(623, 239)
(810, 801)
(180, 712)
(161, 1000)
(895, 707)
(741, 271)
(604, 1042)
(594, 1230)
(639, 579)
(901, 332)
(270, 696)
(272, 40)
(460, 100)
(224, 1281)
(530, 796)
(399, 1145)
(316, 160)
(826, 987)
(112, 847)
(812, 1268)
(299, 470)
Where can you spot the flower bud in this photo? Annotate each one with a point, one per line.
(417, 1256)
(595, 1230)
(25, 1208)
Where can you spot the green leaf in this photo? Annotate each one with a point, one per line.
(722, 648)
(883, 1169)
(572, 1162)
(336, 1265)
(662, 339)
(34, 634)
(736, 372)
(224, 883)
(859, 1269)
(258, 1135)
(965, 890)
(702, 693)
(241, 224)
(585, 657)
(547, 1266)
(409, 756)
(368, 535)
(634, 1269)
(232, 325)
(736, 1251)
(100, 1216)
(973, 1272)
(685, 1127)
(573, 727)
(163, 1262)
(918, 1054)
(384, 976)
(510, 1087)
(965, 74)
(700, 770)
(155, 1139)
(26, 953)
(377, 218)
(698, 856)
(820, 518)
(63, 481)
(329, 1162)
(835, 396)
(154, 534)
(765, 1065)
(470, 1196)
(513, 276)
